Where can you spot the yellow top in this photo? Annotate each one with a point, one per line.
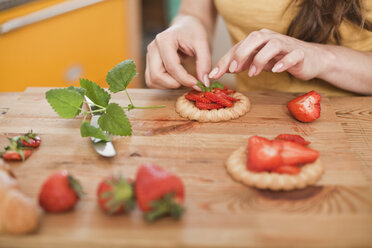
(242, 17)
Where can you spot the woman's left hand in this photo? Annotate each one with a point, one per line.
(271, 51)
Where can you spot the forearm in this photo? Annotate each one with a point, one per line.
(347, 69)
(203, 10)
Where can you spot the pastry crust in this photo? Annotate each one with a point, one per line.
(187, 109)
(236, 167)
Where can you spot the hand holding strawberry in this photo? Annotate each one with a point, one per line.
(158, 192)
(60, 192)
(115, 195)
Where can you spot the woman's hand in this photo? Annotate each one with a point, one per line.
(271, 51)
(186, 37)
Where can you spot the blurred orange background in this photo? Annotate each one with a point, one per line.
(53, 43)
(68, 40)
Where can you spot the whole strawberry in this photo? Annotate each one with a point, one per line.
(60, 192)
(115, 195)
(158, 192)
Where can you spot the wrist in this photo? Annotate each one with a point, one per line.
(327, 62)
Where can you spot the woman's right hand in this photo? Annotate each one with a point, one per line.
(186, 37)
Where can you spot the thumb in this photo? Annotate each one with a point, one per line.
(203, 62)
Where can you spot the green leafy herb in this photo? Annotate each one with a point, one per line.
(66, 102)
(115, 121)
(211, 87)
(87, 130)
(81, 91)
(121, 75)
(95, 93)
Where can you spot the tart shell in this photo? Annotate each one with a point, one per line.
(236, 167)
(187, 109)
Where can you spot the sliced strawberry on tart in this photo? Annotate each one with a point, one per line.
(285, 163)
(213, 104)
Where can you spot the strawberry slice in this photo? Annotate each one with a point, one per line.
(296, 154)
(227, 97)
(288, 169)
(263, 154)
(208, 106)
(305, 108)
(217, 99)
(197, 97)
(293, 137)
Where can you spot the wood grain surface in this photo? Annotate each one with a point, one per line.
(337, 212)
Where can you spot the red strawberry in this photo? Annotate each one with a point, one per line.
(287, 169)
(263, 154)
(158, 192)
(30, 139)
(115, 195)
(217, 99)
(226, 96)
(15, 151)
(293, 137)
(201, 105)
(296, 154)
(60, 192)
(306, 108)
(197, 97)
(16, 155)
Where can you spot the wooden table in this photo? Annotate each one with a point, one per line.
(337, 212)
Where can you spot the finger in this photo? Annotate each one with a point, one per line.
(222, 66)
(291, 59)
(203, 62)
(157, 77)
(253, 43)
(172, 62)
(272, 49)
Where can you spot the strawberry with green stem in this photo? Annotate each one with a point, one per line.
(60, 192)
(30, 139)
(15, 151)
(158, 192)
(115, 195)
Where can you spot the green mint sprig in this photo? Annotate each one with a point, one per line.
(211, 87)
(68, 102)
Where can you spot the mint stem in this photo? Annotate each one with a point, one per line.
(129, 97)
(147, 107)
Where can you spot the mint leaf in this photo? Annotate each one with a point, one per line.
(87, 130)
(95, 93)
(216, 85)
(121, 75)
(115, 121)
(78, 90)
(66, 102)
(202, 87)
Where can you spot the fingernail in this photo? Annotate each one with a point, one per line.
(206, 80)
(213, 72)
(277, 67)
(195, 87)
(233, 66)
(252, 71)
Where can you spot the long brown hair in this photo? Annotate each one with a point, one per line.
(319, 20)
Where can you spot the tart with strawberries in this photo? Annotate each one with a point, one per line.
(285, 163)
(213, 104)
